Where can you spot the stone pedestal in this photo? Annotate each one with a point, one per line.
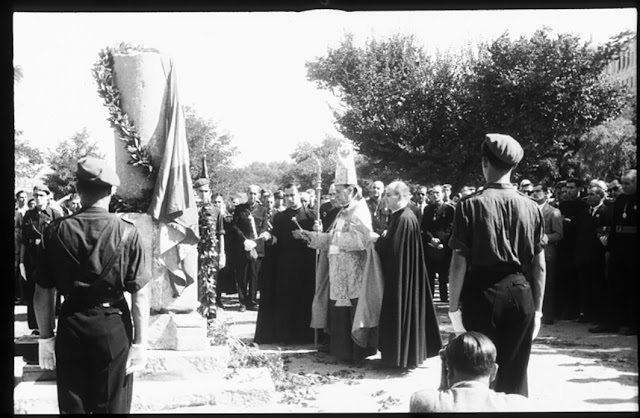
(174, 324)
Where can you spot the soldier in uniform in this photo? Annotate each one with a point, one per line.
(211, 256)
(623, 243)
(378, 209)
(497, 236)
(437, 223)
(92, 257)
(249, 221)
(33, 224)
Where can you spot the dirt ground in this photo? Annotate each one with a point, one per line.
(570, 370)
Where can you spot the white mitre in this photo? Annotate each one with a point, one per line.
(346, 166)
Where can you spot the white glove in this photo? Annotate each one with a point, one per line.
(137, 359)
(23, 271)
(536, 325)
(222, 261)
(604, 239)
(456, 321)
(47, 353)
(265, 236)
(317, 226)
(249, 245)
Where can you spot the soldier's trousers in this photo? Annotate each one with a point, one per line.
(246, 275)
(91, 355)
(501, 307)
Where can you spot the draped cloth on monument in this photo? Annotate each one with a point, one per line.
(173, 204)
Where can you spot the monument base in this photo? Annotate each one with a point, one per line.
(182, 332)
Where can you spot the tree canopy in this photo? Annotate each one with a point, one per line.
(63, 162)
(424, 116)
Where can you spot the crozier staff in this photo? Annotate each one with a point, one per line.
(92, 257)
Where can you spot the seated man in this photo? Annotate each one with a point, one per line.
(469, 366)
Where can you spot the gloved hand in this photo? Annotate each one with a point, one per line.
(604, 239)
(249, 245)
(23, 271)
(317, 226)
(456, 321)
(47, 353)
(222, 261)
(137, 358)
(265, 236)
(536, 325)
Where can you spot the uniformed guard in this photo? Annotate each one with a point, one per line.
(379, 212)
(497, 236)
(92, 257)
(211, 256)
(33, 224)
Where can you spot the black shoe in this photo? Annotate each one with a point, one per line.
(583, 319)
(628, 331)
(242, 308)
(252, 307)
(603, 328)
(35, 332)
(220, 305)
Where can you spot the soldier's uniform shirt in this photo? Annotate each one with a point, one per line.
(33, 224)
(499, 231)
(93, 340)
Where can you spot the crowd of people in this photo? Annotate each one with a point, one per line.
(360, 273)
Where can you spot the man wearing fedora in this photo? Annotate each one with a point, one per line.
(497, 237)
(93, 257)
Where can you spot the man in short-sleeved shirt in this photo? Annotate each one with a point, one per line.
(93, 257)
(497, 236)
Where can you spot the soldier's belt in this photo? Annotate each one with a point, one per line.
(626, 229)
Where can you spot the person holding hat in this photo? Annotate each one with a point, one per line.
(33, 224)
(93, 257)
(497, 237)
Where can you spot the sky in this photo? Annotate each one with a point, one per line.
(246, 71)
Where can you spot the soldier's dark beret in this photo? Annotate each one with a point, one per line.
(96, 171)
(200, 182)
(505, 148)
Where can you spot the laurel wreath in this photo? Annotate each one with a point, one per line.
(207, 265)
(128, 133)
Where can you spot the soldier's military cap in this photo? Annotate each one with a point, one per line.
(505, 148)
(41, 188)
(96, 171)
(200, 182)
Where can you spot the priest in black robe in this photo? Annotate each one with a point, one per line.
(293, 274)
(409, 331)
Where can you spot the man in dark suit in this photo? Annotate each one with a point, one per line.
(568, 282)
(553, 233)
(590, 253)
(436, 226)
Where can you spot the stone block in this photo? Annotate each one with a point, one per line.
(173, 331)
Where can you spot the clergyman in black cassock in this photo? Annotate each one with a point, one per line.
(409, 330)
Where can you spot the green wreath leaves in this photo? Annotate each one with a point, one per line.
(108, 91)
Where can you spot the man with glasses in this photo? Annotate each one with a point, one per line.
(526, 187)
(553, 233)
(33, 224)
